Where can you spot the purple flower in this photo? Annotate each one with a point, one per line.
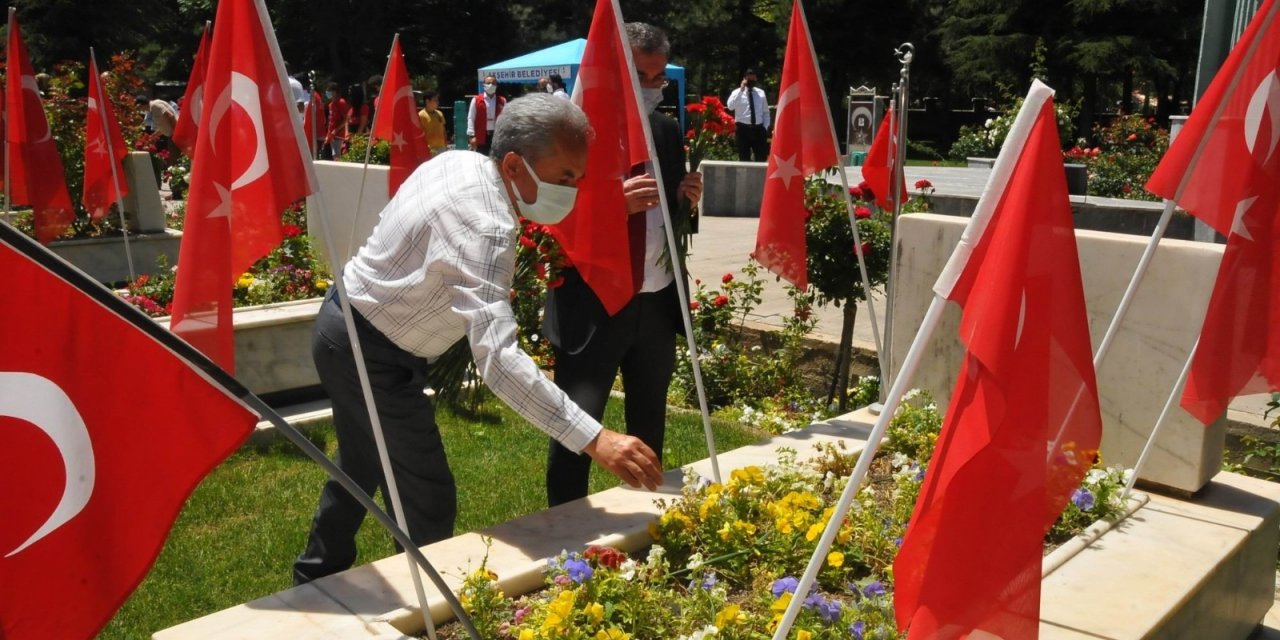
(1083, 499)
(828, 610)
(709, 581)
(784, 585)
(874, 589)
(578, 569)
(897, 542)
(857, 628)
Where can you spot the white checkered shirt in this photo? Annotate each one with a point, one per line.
(439, 266)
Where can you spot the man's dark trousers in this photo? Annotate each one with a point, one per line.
(425, 484)
(751, 140)
(639, 341)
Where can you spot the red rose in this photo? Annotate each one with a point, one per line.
(693, 306)
(727, 278)
(696, 107)
(292, 231)
(721, 300)
(697, 281)
(1132, 137)
(866, 249)
(555, 283)
(861, 212)
(855, 193)
(527, 242)
(923, 184)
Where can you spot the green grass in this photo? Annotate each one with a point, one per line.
(238, 534)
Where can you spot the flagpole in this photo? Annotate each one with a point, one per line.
(912, 360)
(366, 388)
(881, 355)
(997, 181)
(216, 376)
(677, 265)
(111, 157)
(1164, 413)
(905, 53)
(8, 212)
(368, 152)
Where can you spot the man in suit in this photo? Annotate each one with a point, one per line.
(590, 346)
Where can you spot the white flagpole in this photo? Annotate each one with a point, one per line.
(368, 152)
(881, 354)
(8, 211)
(111, 157)
(978, 222)
(393, 492)
(1164, 413)
(676, 265)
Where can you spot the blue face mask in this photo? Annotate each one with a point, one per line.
(328, 95)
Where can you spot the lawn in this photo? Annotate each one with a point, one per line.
(238, 534)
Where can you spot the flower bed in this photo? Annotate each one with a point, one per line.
(727, 556)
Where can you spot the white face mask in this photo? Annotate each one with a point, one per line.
(651, 97)
(490, 89)
(552, 203)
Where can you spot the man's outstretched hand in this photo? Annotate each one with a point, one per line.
(626, 457)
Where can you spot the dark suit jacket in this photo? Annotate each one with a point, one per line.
(573, 313)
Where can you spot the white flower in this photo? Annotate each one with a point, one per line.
(911, 394)
(656, 553)
(1095, 476)
(627, 571)
(695, 562)
(988, 123)
(900, 460)
(709, 631)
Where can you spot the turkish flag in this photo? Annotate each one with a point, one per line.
(878, 168)
(92, 478)
(184, 132)
(398, 122)
(249, 165)
(1224, 168)
(104, 151)
(35, 168)
(1026, 387)
(804, 142)
(594, 234)
(313, 121)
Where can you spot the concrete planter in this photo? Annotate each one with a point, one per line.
(104, 259)
(273, 346)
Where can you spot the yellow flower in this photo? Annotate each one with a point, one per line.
(707, 505)
(835, 559)
(746, 476)
(613, 633)
(595, 611)
(804, 635)
(845, 534)
(244, 281)
(322, 285)
(527, 634)
(728, 615)
(815, 530)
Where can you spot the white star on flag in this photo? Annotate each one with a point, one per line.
(784, 170)
(397, 141)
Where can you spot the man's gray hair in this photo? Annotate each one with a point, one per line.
(647, 38)
(532, 126)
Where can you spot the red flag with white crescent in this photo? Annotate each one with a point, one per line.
(184, 132)
(249, 165)
(35, 167)
(1224, 168)
(90, 484)
(594, 235)
(804, 143)
(397, 122)
(103, 147)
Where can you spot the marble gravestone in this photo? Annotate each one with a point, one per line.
(1144, 360)
(340, 186)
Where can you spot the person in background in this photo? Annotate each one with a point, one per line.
(590, 346)
(751, 119)
(359, 120)
(556, 84)
(437, 268)
(372, 88)
(544, 85)
(482, 115)
(339, 113)
(433, 122)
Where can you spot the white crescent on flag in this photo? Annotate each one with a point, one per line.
(41, 402)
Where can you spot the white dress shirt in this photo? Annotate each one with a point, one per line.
(439, 266)
(657, 270)
(739, 102)
(490, 114)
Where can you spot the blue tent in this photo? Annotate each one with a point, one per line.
(563, 59)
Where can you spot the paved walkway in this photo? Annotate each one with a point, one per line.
(723, 245)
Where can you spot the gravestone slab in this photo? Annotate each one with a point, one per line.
(143, 209)
(732, 188)
(351, 224)
(1145, 358)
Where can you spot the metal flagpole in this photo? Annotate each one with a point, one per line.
(393, 492)
(8, 210)
(905, 53)
(1164, 413)
(214, 375)
(115, 174)
(676, 265)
